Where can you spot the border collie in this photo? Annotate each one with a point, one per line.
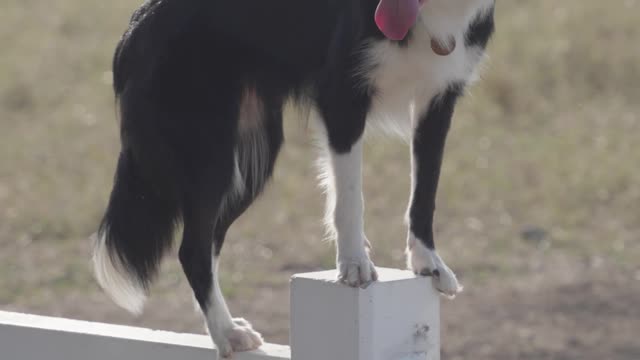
(201, 86)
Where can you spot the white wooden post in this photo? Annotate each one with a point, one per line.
(395, 318)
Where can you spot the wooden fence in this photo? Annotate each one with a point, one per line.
(396, 318)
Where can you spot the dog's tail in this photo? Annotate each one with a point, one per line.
(136, 231)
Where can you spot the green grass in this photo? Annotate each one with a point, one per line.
(547, 139)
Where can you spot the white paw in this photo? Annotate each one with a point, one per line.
(240, 337)
(428, 263)
(242, 322)
(356, 271)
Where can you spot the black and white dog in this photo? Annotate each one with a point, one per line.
(201, 86)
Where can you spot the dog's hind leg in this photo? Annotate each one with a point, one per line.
(199, 256)
(215, 205)
(201, 203)
(256, 153)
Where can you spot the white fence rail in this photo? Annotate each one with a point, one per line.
(396, 318)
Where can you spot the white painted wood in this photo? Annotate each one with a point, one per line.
(395, 318)
(32, 337)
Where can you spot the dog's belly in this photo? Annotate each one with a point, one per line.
(406, 79)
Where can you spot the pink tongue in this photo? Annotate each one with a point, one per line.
(395, 17)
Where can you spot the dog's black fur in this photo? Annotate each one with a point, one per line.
(180, 72)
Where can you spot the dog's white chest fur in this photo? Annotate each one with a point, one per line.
(407, 78)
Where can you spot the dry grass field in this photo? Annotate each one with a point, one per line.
(539, 207)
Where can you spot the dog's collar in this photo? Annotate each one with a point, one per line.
(440, 46)
(443, 47)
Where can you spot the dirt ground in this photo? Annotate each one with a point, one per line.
(538, 209)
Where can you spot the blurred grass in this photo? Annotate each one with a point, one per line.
(547, 141)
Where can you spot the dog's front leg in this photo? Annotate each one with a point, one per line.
(344, 109)
(427, 150)
(346, 203)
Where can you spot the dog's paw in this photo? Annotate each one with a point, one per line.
(240, 337)
(356, 271)
(244, 338)
(242, 322)
(445, 281)
(427, 262)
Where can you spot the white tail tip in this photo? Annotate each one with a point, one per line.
(115, 279)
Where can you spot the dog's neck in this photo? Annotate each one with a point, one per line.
(444, 19)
